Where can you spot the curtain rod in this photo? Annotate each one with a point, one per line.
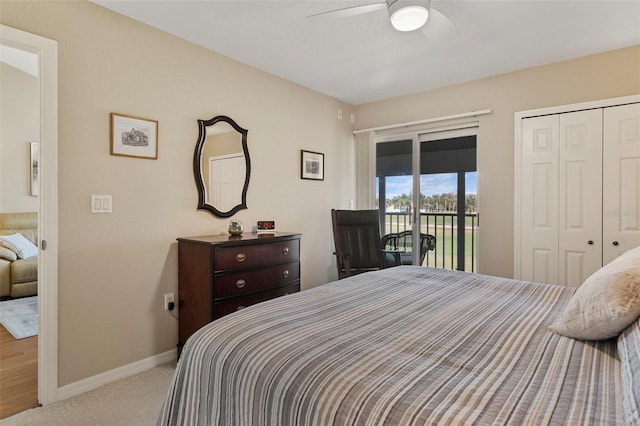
(425, 121)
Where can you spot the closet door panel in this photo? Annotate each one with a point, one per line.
(539, 240)
(580, 196)
(621, 174)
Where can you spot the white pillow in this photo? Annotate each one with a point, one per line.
(20, 245)
(606, 303)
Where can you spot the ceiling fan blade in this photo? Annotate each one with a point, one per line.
(348, 11)
(438, 27)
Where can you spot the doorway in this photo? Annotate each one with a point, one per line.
(19, 133)
(428, 184)
(45, 51)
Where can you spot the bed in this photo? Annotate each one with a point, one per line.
(405, 346)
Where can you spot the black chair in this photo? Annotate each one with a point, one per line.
(401, 244)
(356, 235)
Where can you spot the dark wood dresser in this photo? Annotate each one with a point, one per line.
(221, 274)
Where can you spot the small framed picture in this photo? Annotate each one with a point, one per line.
(134, 136)
(34, 174)
(312, 165)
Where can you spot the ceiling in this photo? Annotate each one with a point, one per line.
(360, 59)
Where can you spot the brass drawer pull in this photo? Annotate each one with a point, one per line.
(239, 308)
(285, 250)
(240, 283)
(285, 274)
(240, 257)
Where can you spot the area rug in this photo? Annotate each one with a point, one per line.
(20, 316)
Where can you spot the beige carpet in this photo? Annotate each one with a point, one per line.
(133, 401)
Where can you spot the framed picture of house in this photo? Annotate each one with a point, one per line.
(312, 165)
(134, 136)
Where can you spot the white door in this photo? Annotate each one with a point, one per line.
(539, 186)
(580, 196)
(621, 172)
(226, 180)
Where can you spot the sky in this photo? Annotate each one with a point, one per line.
(430, 184)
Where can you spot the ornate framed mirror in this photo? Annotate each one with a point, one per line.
(221, 166)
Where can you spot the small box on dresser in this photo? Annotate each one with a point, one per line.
(220, 274)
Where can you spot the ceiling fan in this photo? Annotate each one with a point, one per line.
(405, 15)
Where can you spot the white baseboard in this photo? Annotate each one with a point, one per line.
(94, 382)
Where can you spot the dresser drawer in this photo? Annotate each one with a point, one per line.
(255, 280)
(224, 308)
(256, 255)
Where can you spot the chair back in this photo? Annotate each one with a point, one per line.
(403, 242)
(356, 235)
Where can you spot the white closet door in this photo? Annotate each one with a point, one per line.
(621, 172)
(580, 196)
(539, 240)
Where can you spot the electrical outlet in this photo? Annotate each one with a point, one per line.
(168, 298)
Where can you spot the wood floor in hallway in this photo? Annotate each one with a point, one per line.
(18, 373)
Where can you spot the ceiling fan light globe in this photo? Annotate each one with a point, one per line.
(409, 18)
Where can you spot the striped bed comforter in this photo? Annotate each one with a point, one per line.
(401, 346)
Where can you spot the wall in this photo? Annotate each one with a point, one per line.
(115, 268)
(20, 125)
(607, 75)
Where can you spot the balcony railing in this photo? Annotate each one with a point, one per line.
(444, 227)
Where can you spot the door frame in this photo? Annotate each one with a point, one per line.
(47, 52)
(517, 181)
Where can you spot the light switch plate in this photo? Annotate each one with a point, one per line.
(101, 204)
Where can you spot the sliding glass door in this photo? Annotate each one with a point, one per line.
(428, 185)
